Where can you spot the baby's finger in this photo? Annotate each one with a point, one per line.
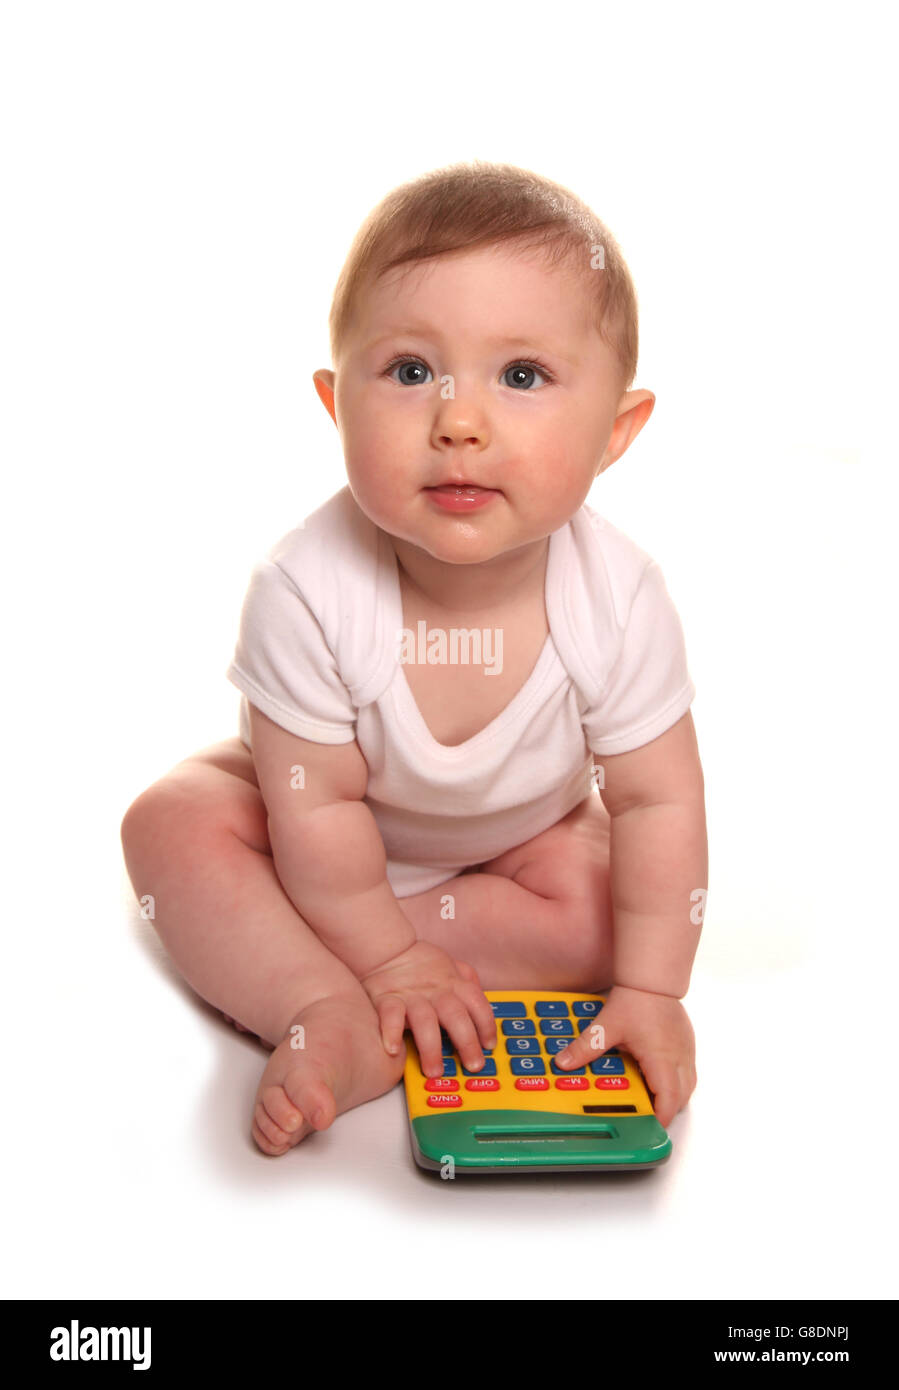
(481, 1010)
(392, 1017)
(456, 1019)
(425, 1027)
(592, 1043)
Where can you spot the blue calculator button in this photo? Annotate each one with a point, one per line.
(488, 1069)
(551, 1008)
(587, 1008)
(554, 1045)
(515, 1047)
(514, 1026)
(528, 1066)
(566, 1071)
(556, 1025)
(449, 1066)
(508, 1008)
(608, 1066)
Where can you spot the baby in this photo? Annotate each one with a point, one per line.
(466, 760)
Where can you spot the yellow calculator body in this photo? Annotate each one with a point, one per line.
(523, 1113)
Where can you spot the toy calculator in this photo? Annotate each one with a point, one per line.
(522, 1112)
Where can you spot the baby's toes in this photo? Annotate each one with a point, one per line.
(278, 1120)
(266, 1144)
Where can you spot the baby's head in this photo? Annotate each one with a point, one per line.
(483, 331)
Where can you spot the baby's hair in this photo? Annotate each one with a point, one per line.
(476, 203)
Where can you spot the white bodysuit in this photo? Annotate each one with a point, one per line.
(318, 653)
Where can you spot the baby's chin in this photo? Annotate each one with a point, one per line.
(467, 549)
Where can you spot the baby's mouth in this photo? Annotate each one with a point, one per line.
(463, 489)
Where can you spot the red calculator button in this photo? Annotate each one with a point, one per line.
(441, 1083)
(444, 1102)
(572, 1083)
(482, 1083)
(612, 1083)
(531, 1083)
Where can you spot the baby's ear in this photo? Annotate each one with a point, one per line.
(324, 385)
(634, 409)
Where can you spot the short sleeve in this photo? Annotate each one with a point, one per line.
(283, 664)
(649, 688)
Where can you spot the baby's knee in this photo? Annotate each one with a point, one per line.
(155, 819)
(140, 816)
(189, 807)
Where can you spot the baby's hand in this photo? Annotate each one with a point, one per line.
(655, 1029)
(431, 989)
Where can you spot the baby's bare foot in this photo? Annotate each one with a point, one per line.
(332, 1060)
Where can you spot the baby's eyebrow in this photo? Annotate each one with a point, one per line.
(409, 331)
(413, 331)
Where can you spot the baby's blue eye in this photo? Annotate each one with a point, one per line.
(525, 370)
(410, 366)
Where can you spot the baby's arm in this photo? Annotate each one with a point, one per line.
(330, 859)
(655, 796)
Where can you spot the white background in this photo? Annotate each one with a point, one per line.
(181, 184)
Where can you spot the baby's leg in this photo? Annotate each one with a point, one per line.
(197, 841)
(537, 916)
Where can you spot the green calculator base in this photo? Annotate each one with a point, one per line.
(496, 1141)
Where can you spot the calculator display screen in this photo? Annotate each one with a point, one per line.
(523, 1136)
